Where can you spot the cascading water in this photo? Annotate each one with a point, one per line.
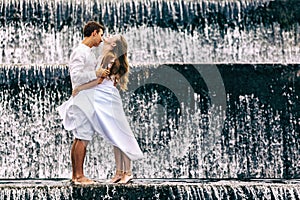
(192, 119)
(158, 31)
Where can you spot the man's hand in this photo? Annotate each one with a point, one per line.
(75, 92)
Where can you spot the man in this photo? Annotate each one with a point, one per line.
(76, 112)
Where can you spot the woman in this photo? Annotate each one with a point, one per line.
(109, 109)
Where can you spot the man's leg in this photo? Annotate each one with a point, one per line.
(73, 159)
(85, 132)
(79, 155)
(79, 152)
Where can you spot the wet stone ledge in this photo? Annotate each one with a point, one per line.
(151, 189)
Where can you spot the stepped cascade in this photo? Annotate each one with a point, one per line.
(213, 95)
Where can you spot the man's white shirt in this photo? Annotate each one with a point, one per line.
(82, 65)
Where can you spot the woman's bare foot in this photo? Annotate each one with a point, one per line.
(126, 178)
(117, 177)
(83, 181)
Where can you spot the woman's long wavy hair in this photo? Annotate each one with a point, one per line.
(121, 65)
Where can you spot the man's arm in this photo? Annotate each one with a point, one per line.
(79, 75)
(91, 84)
(85, 86)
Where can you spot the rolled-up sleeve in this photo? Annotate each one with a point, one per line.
(80, 75)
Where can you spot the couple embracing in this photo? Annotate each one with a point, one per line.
(95, 105)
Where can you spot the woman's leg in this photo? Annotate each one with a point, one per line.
(127, 162)
(119, 165)
(118, 159)
(127, 169)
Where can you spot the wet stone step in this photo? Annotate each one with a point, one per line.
(151, 189)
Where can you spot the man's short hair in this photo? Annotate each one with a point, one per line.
(90, 27)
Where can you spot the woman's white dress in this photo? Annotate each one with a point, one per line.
(102, 105)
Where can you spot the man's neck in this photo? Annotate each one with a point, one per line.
(88, 42)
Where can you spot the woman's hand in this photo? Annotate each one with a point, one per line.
(105, 73)
(102, 73)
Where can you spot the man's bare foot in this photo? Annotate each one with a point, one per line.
(83, 181)
(126, 178)
(117, 177)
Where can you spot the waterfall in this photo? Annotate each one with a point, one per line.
(183, 132)
(44, 32)
(213, 98)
